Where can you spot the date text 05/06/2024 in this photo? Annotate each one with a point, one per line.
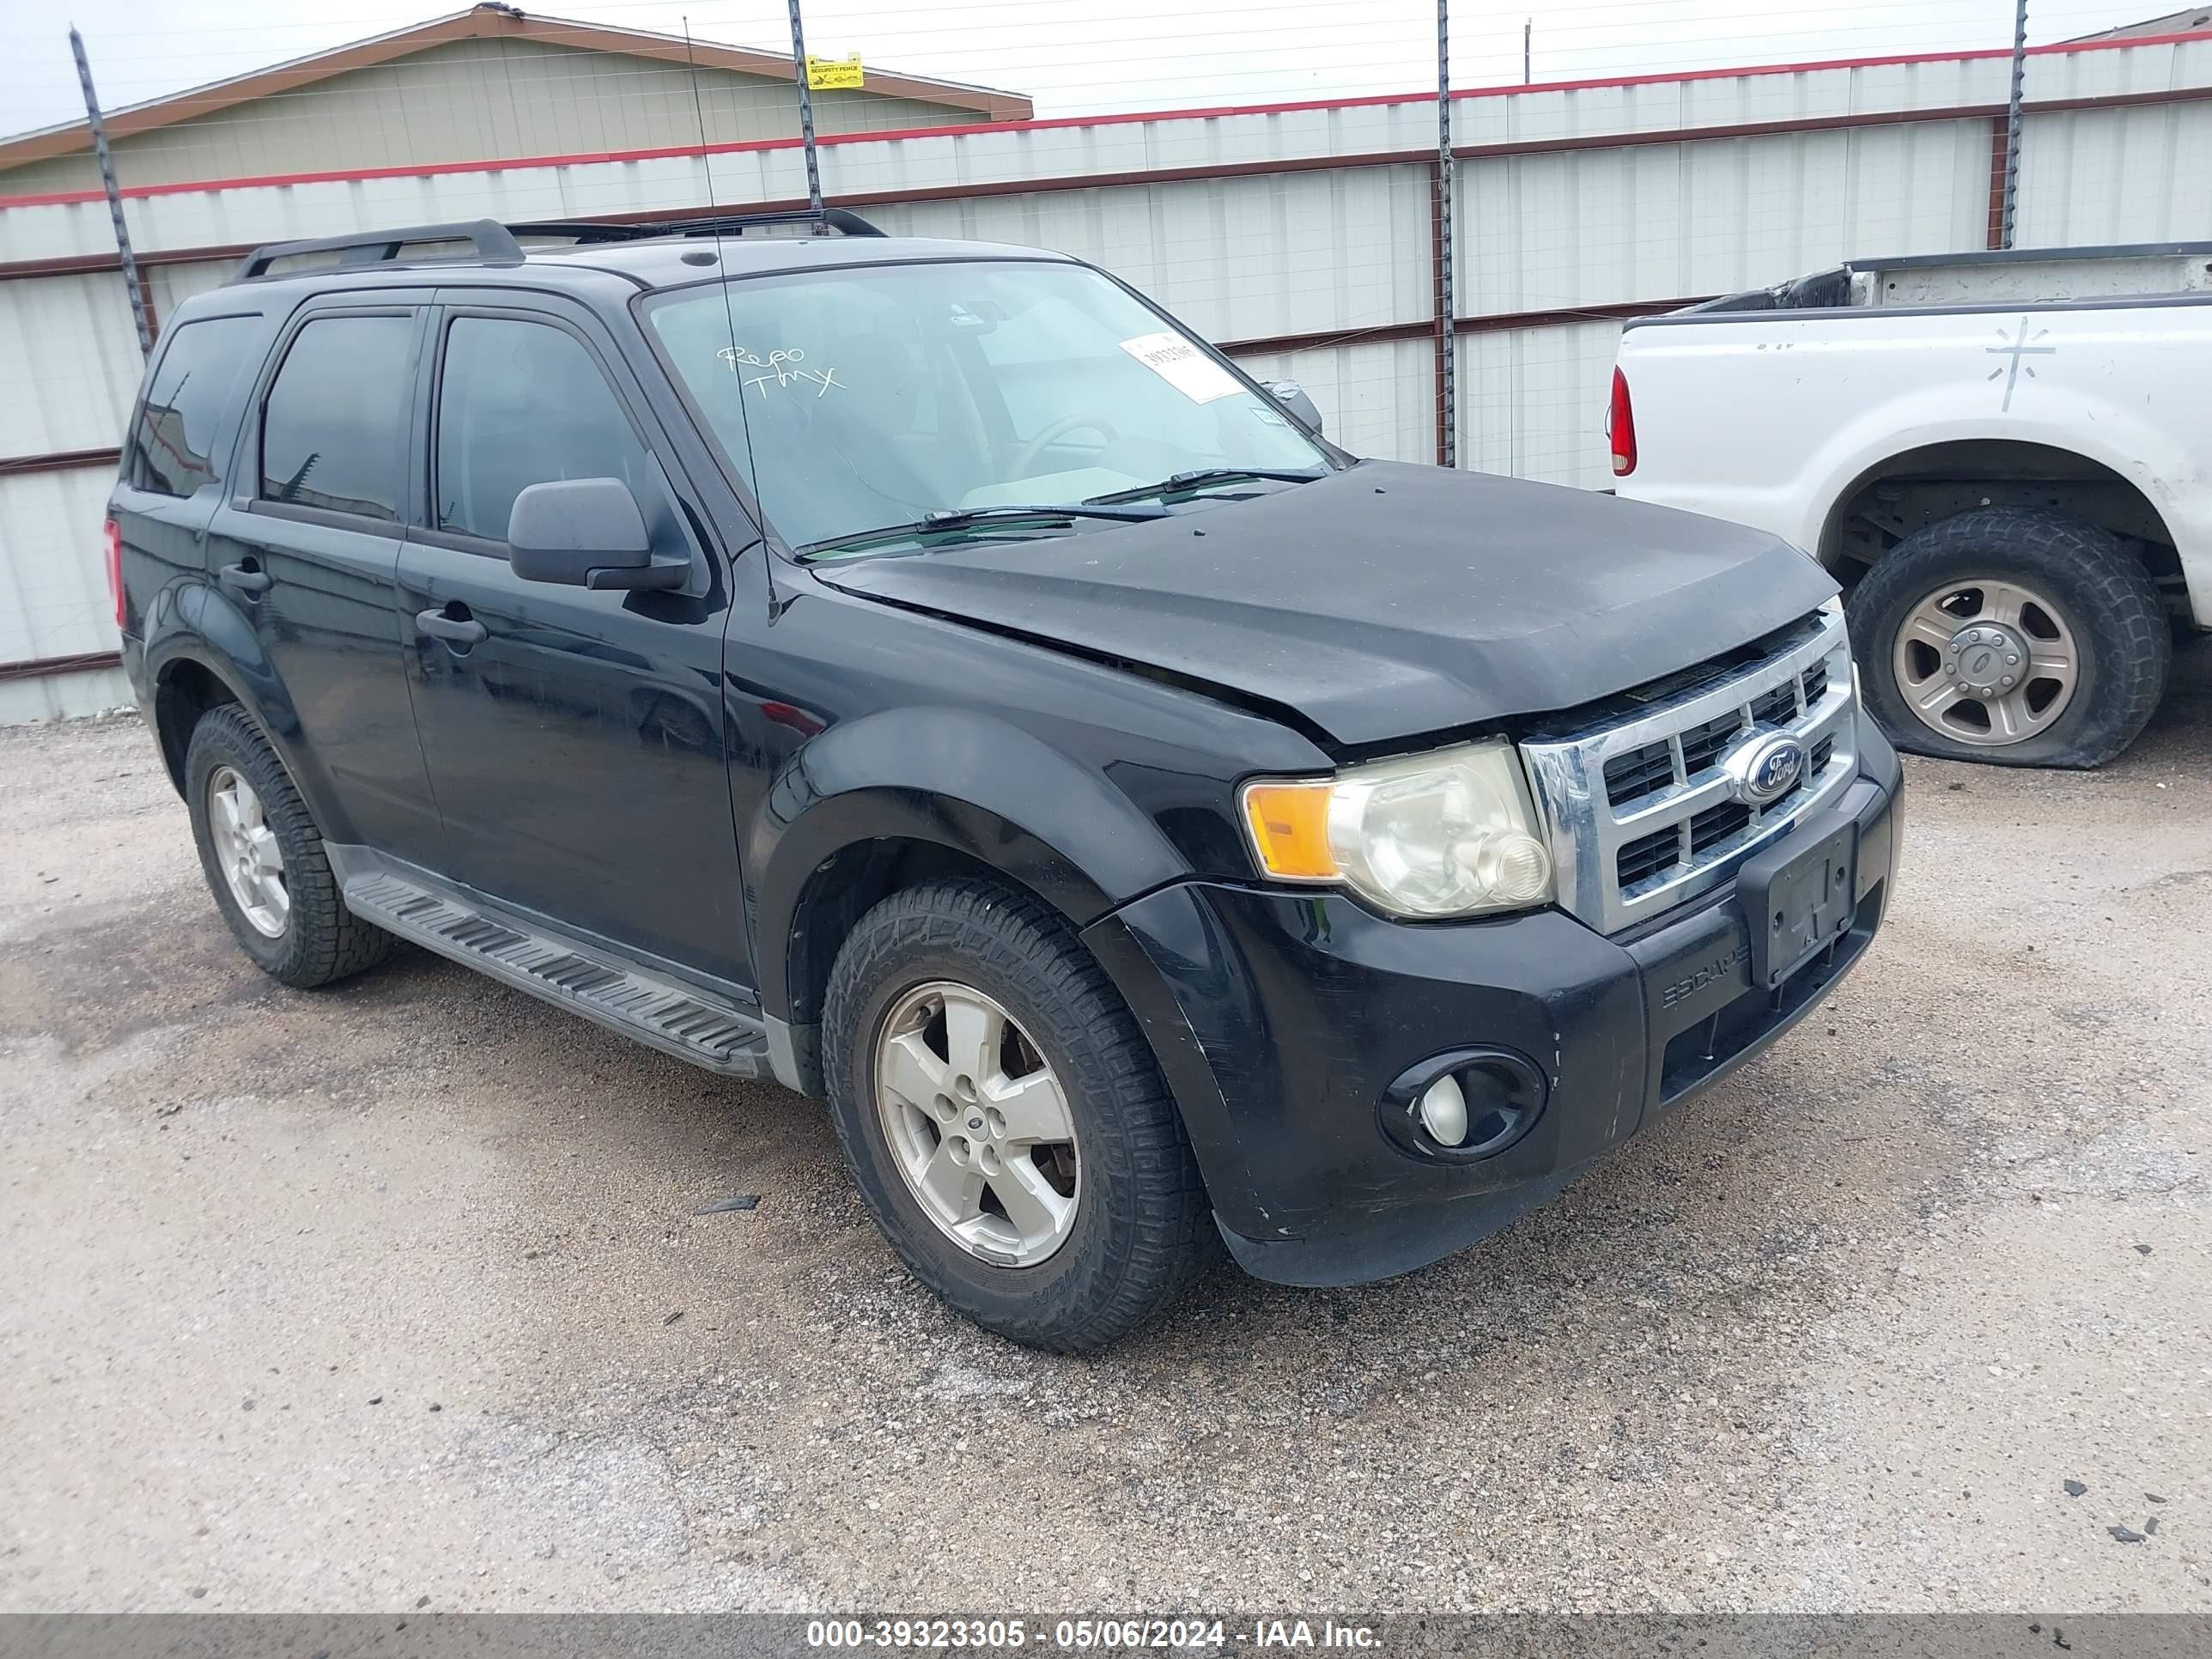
(1084, 1635)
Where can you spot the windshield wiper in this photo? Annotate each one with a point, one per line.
(1206, 477)
(952, 518)
(995, 518)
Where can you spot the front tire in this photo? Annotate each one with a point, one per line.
(264, 859)
(2014, 636)
(1005, 1122)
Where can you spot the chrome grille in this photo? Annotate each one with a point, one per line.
(1701, 746)
(1639, 814)
(1777, 707)
(1639, 773)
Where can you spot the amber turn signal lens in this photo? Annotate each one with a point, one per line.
(1290, 828)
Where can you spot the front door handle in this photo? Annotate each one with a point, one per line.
(455, 630)
(244, 579)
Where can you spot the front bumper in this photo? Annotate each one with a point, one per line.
(1281, 1020)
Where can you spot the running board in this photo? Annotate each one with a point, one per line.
(676, 1018)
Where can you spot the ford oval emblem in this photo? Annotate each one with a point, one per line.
(1764, 767)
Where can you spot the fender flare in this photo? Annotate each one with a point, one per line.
(206, 629)
(1865, 462)
(962, 779)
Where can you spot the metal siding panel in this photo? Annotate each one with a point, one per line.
(170, 286)
(2138, 174)
(64, 230)
(1494, 117)
(72, 363)
(2137, 70)
(2117, 175)
(1377, 399)
(1533, 402)
(859, 112)
(53, 574)
(62, 696)
(51, 176)
(1241, 258)
(1603, 227)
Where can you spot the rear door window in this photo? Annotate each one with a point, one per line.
(521, 404)
(174, 434)
(334, 426)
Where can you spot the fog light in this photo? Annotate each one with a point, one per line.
(1464, 1104)
(1443, 1110)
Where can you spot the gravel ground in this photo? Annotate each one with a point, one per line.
(397, 1294)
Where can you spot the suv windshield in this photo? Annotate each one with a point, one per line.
(872, 396)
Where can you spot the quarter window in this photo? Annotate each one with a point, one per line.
(333, 430)
(522, 404)
(172, 437)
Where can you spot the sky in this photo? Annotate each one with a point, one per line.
(1072, 56)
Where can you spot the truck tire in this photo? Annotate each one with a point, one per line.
(1005, 1119)
(2013, 636)
(264, 859)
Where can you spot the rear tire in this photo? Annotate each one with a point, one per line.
(298, 930)
(1140, 1229)
(2088, 604)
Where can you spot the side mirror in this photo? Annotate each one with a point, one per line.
(1293, 398)
(586, 532)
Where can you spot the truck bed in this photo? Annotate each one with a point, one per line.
(2013, 279)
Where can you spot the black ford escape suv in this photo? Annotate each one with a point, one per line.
(923, 673)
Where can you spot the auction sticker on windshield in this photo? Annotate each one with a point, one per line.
(1182, 366)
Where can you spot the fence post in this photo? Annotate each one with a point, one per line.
(2011, 217)
(139, 314)
(805, 115)
(1446, 336)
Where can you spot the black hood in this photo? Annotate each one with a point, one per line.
(1385, 601)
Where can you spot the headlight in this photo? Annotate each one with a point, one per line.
(1448, 834)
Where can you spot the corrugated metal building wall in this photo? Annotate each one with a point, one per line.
(1299, 237)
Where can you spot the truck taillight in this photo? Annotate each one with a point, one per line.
(1621, 426)
(114, 535)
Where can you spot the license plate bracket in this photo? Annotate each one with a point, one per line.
(1797, 896)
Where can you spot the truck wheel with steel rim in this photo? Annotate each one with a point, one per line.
(1005, 1119)
(263, 858)
(2020, 637)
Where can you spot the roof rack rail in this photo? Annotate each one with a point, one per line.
(489, 239)
(843, 221)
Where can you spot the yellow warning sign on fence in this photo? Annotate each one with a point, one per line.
(834, 74)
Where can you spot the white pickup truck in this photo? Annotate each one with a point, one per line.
(2007, 458)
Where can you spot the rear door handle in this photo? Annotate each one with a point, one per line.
(458, 630)
(244, 579)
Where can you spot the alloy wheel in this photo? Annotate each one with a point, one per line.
(978, 1123)
(246, 847)
(1986, 662)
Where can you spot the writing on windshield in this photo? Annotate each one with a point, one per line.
(779, 368)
